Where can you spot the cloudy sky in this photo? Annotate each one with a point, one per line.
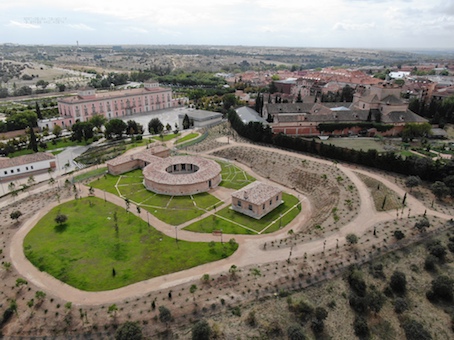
(295, 23)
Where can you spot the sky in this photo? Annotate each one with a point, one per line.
(394, 24)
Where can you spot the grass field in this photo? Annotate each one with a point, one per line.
(166, 138)
(232, 222)
(173, 210)
(381, 193)
(85, 251)
(233, 177)
(187, 137)
(356, 143)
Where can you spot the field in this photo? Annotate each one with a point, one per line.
(90, 253)
(384, 198)
(357, 143)
(187, 137)
(232, 222)
(233, 177)
(173, 210)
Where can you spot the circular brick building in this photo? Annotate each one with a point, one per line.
(182, 175)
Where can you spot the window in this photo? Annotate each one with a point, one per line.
(18, 170)
(26, 168)
(277, 198)
(271, 202)
(183, 166)
(239, 203)
(12, 171)
(6, 172)
(31, 167)
(250, 207)
(263, 206)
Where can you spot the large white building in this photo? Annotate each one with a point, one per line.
(24, 166)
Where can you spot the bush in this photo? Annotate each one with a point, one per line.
(129, 331)
(399, 235)
(398, 282)
(415, 331)
(356, 282)
(295, 332)
(303, 311)
(201, 330)
(430, 264)
(360, 327)
(442, 288)
(351, 239)
(400, 305)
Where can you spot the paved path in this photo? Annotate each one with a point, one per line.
(248, 253)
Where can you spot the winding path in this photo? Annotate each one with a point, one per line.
(248, 253)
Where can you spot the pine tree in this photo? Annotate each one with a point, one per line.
(38, 111)
(33, 144)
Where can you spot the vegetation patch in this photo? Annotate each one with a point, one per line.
(233, 177)
(384, 198)
(101, 246)
(187, 137)
(232, 222)
(173, 210)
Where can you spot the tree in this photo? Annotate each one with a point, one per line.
(398, 282)
(186, 123)
(57, 130)
(415, 330)
(351, 239)
(228, 101)
(422, 224)
(40, 295)
(414, 130)
(21, 282)
(360, 326)
(82, 130)
(299, 99)
(201, 330)
(60, 219)
(129, 331)
(440, 189)
(33, 143)
(133, 128)
(232, 270)
(412, 181)
(115, 127)
(98, 121)
(155, 126)
(15, 215)
(38, 111)
(295, 332)
(442, 288)
(164, 314)
(112, 310)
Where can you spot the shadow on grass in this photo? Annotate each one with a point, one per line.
(60, 228)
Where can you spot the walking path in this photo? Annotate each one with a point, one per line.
(248, 253)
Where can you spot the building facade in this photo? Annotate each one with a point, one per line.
(256, 199)
(111, 104)
(26, 165)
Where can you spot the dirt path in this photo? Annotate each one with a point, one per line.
(250, 251)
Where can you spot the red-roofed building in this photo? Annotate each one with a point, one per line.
(26, 165)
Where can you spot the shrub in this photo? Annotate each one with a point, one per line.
(399, 235)
(430, 264)
(201, 330)
(351, 239)
(400, 305)
(415, 331)
(442, 288)
(129, 331)
(295, 332)
(398, 282)
(360, 326)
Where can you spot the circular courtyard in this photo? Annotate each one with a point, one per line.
(182, 175)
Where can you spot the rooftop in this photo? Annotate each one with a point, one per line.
(257, 193)
(6, 162)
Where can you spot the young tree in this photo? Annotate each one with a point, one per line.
(164, 315)
(57, 131)
(33, 143)
(60, 219)
(412, 181)
(351, 239)
(15, 215)
(38, 111)
(186, 123)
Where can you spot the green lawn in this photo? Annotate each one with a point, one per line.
(170, 209)
(187, 137)
(89, 174)
(135, 144)
(166, 138)
(85, 250)
(232, 222)
(233, 177)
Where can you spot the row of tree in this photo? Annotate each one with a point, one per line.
(438, 112)
(425, 168)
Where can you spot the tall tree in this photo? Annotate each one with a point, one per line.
(186, 123)
(33, 144)
(155, 126)
(38, 111)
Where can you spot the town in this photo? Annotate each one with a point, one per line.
(217, 192)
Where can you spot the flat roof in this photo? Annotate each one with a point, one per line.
(247, 115)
